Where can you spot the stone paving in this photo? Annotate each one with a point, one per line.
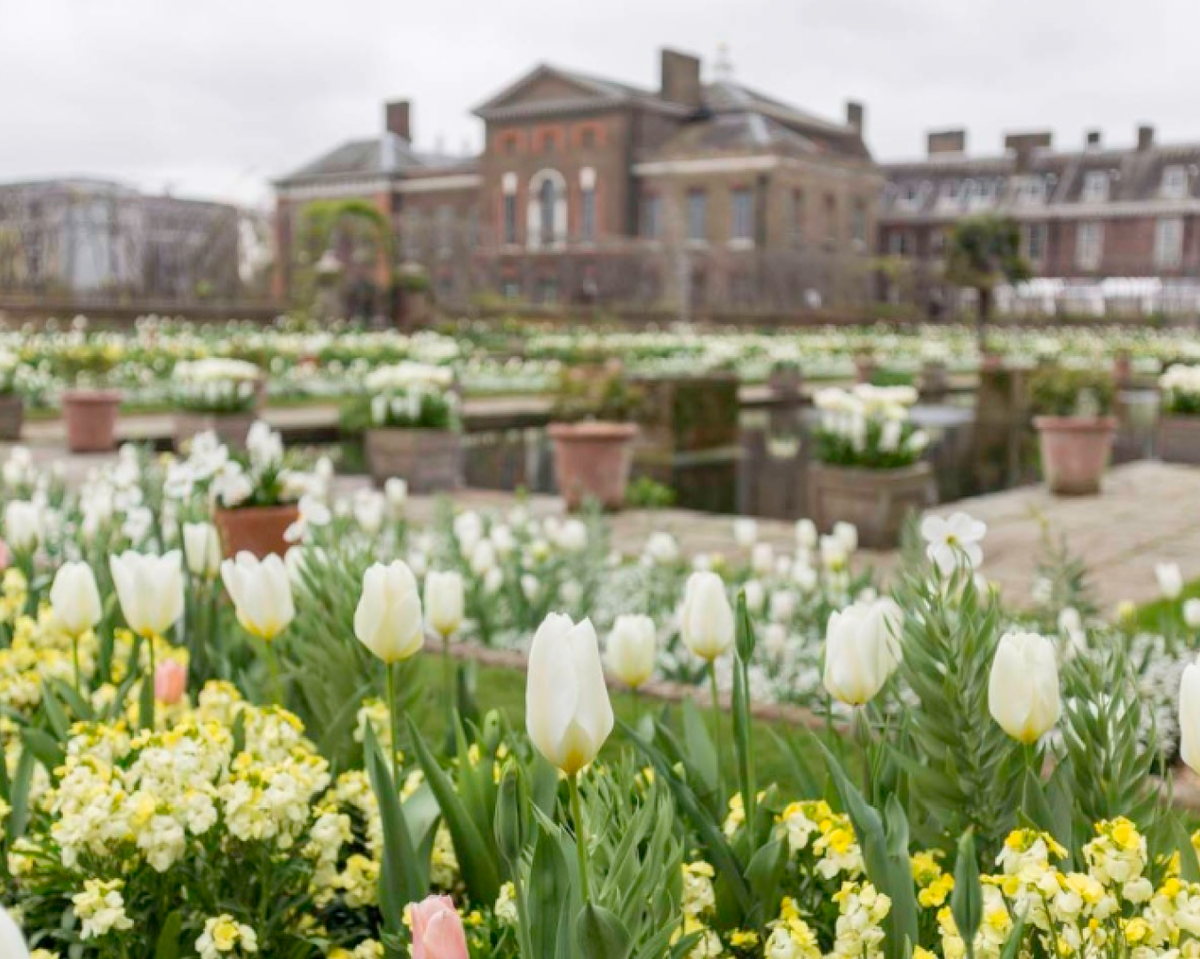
(1148, 512)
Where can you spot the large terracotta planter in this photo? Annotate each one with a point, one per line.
(1179, 439)
(231, 428)
(592, 462)
(1075, 451)
(12, 416)
(429, 461)
(876, 501)
(255, 529)
(91, 419)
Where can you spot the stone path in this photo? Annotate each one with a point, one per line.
(1149, 512)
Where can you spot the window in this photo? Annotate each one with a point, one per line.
(587, 138)
(697, 216)
(587, 214)
(937, 242)
(549, 144)
(511, 145)
(546, 216)
(1031, 190)
(511, 289)
(1168, 242)
(831, 218)
(1089, 245)
(444, 224)
(858, 223)
(1034, 241)
(1095, 187)
(797, 218)
(898, 243)
(546, 212)
(415, 228)
(1174, 182)
(651, 220)
(741, 225)
(510, 218)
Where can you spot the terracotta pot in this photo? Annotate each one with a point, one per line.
(934, 379)
(231, 428)
(255, 529)
(1122, 369)
(1179, 439)
(592, 462)
(91, 419)
(429, 461)
(1075, 451)
(12, 416)
(876, 501)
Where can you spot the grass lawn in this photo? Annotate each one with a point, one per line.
(504, 689)
(1155, 615)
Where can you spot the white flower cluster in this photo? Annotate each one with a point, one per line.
(411, 394)
(870, 422)
(1180, 386)
(216, 384)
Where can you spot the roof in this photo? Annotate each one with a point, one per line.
(388, 154)
(590, 91)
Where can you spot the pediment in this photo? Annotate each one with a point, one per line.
(547, 85)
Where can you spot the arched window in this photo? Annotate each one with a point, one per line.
(547, 215)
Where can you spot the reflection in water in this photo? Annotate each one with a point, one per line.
(974, 449)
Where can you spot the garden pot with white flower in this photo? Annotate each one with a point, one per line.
(869, 470)
(1178, 438)
(12, 417)
(216, 395)
(1075, 427)
(260, 530)
(412, 427)
(593, 436)
(90, 416)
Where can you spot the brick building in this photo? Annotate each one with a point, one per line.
(1086, 214)
(694, 197)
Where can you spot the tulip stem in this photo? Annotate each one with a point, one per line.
(390, 672)
(716, 711)
(862, 728)
(448, 681)
(580, 837)
(273, 666)
(75, 658)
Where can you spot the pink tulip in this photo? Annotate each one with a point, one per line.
(170, 680)
(4, 557)
(437, 930)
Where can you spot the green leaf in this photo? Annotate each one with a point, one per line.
(45, 747)
(1189, 868)
(601, 935)
(402, 879)
(18, 797)
(55, 713)
(168, 938)
(550, 894)
(966, 901)
(472, 841)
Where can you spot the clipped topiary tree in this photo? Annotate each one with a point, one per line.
(985, 251)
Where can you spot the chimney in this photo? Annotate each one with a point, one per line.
(1093, 139)
(397, 119)
(681, 79)
(947, 141)
(1023, 145)
(856, 115)
(1145, 137)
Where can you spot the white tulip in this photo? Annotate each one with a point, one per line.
(1023, 693)
(572, 535)
(388, 618)
(762, 559)
(12, 943)
(483, 558)
(567, 711)
(444, 601)
(806, 534)
(632, 649)
(75, 598)
(396, 491)
(847, 535)
(1170, 579)
(1191, 613)
(755, 594)
(662, 548)
(706, 620)
(862, 649)
(261, 591)
(150, 590)
(202, 549)
(1189, 716)
(22, 524)
(745, 532)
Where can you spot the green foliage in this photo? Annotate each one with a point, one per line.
(985, 251)
(1067, 391)
(596, 393)
(646, 493)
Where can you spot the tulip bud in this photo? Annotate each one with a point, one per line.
(388, 618)
(150, 590)
(261, 591)
(170, 681)
(444, 601)
(12, 943)
(632, 649)
(1189, 716)
(806, 534)
(567, 711)
(202, 550)
(75, 598)
(22, 525)
(396, 491)
(1191, 613)
(706, 621)
(437, 930)
(862, 649)
(1023, 693)
(1170, 579)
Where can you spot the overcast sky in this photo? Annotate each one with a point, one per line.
(215, 97)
